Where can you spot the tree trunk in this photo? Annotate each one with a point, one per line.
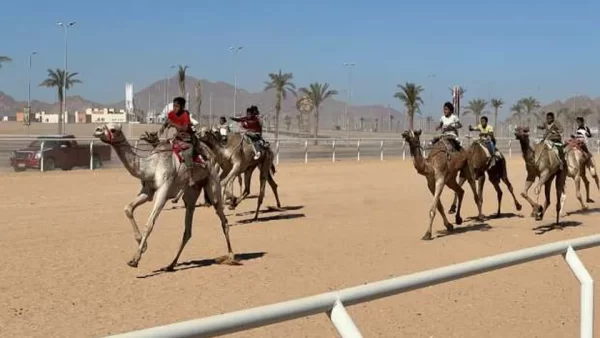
(181, 88)
(61, 101)
(411, 119)
(316, 125)
(495, 118)
(277, 111)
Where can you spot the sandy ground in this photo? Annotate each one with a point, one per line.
(65, 242)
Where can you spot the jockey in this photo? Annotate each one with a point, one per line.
(583, 133)
(224, 129)
(252, 127)
(486, 132)
(449, 124)
(553, 134)
(179, 118)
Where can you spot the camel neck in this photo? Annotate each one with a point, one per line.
(416, 152)
(130, 160)
(526, 149)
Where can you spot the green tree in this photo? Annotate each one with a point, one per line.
(517, 110)
(317, 93)
(181, 70)
(530, 104)
(4, 59)
(60, 79)
(410, 96)
(496, 104)
(476, 107)
(282, 84)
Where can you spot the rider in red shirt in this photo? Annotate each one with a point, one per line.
(179, 118)
(253, 128)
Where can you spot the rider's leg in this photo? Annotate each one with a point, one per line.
(188, 158)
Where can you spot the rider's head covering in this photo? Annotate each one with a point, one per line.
(450, 106)
(180, 101)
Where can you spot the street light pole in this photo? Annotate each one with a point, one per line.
(64, 105)
(29, 81)
(235, 50)
(348, 65)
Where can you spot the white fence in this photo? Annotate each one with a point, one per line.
(297, 149)
(333, 303)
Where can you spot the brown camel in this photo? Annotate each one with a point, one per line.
(577, 163)
(440, 169)
(544, 162)
(162, 176)
(153, 139)
(479, 163)
(236, 157)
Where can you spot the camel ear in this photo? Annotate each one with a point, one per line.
(418, 132)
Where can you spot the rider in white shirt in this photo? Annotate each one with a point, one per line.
(449, 124)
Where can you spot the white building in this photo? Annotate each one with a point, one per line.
(106, 115)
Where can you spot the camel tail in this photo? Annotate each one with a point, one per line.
(273, 171)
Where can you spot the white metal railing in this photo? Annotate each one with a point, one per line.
(336, 145)
(333, 303)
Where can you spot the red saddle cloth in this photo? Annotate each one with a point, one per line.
(576, 143)
(179, 146)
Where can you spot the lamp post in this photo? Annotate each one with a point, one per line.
(64, 105)
(29, 81)
(235, 50)
(348, 65)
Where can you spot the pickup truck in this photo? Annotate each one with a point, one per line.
(60, 151)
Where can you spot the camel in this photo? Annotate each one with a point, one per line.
(236, 157)
(577, 161)
(162, 176)
(153, 140)
(543, 162)
(440, 168)
(478, 162)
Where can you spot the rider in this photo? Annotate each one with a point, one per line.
(553, 134)
(224, 129)
(252, 127)
(179, 118)
(449, 124)
(487, 133)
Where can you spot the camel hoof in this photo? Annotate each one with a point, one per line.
(480, 218)
(458, 220)
(452, 210)
(427, 237)
(227, 260)
(174, 201)
(450, 227)
(132, 263)
(519, 207)
(589, 200)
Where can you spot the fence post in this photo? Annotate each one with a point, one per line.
(586, 320)
(305, 151)
(404, 150)
(424, 151)
(277, 153)
(358, 150)
(509, 148)
(333, 151)
(343, 322)
(135, 145)
(381, 151)
(92, 155)
(42, 156)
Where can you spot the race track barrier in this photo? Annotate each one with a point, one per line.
(333, 303)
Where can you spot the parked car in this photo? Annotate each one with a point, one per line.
(60, 151)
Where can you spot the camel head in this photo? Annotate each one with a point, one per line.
(150, 138)
(209, 136)
(412, 137)
(110, 133)
(522, 133)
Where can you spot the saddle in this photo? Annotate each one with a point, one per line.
(576, 143)
(179, 146)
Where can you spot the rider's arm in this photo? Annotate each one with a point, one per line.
(588, 132)
(457, 124)
(542, 126)
(558, 127)
(236, 119)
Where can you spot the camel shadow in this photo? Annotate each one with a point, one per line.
(271, 218)
(584, 211)
(177, 207)
(542, 229)
(504, 215)
(200, 263)
(465, 229)
(271, 209)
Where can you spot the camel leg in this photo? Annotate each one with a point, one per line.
(159, 204)
(440, 207)
(190, 197)
(586, 185)
(509, 186)
(480, 184)
(261, 195)
(459, 193)
(439, 186)
(496, 185)
(227, 181)
(591, 164)
(176, 199)
(577, 180)
(273, 186)
(247, 182)
(461, 181)
(213, 188)
(561, 196)
(542, 210)
(140, 199)
(525, 194)
(476, 198)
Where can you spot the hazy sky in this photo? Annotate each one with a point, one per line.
(511, 49)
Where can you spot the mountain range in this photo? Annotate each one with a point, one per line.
(216, 97)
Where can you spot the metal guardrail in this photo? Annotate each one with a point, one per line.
(333, 303)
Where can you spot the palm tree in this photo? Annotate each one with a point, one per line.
(410, 95)
(198, 90)
(517, 110)
(529, 105)
(392, 117)
(288, 122)
(57, 78)
(181, 69)
(362, 123)
(4, 59)
(282, 83)
(317, 93)
(476, 107)
(462, 92)
(496, 104)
